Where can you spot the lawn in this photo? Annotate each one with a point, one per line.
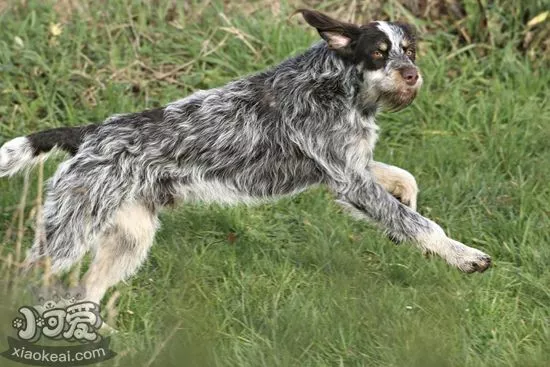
(297, 282)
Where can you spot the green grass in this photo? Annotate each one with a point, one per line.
(297, 282)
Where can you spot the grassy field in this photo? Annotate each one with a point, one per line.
(297, 282)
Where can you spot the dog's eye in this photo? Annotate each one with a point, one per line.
(377, 55)
(409, 52)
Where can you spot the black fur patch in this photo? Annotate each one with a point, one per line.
(369, 41)
(66, 138)
(70, 138)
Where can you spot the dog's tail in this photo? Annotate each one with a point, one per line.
(25, 151)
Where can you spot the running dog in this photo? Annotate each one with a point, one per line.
(308, 121)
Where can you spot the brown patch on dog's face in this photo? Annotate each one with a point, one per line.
(400, 97)
(394, 80)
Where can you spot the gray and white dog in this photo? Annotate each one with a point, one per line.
(308, 121)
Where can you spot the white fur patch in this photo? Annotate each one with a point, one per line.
(465, 258)
(214, 191)
(375, 82)
(394, 34)
(15, 155)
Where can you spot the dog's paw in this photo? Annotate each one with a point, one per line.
(476, 264)
(406, 190)
(465, 258)
(407, 196)
(470, 260)
(400, 183)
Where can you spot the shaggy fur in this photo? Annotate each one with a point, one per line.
(308, 121)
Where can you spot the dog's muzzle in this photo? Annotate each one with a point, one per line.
(406, 81)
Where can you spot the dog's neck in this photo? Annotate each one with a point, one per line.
(330, 65)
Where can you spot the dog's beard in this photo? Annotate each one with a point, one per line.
(397, 100)
(389, 91)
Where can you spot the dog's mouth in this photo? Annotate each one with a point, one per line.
(398, 99)
(390, 90)
(402, 95)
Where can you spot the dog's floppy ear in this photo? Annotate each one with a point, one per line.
(340, 36)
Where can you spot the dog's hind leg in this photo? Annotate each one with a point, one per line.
(120, 249)
(82, 198)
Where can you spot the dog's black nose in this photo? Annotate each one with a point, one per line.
(410, 75)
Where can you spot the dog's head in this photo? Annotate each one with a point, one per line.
(384, 52)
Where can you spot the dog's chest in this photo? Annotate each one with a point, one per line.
(361, 141)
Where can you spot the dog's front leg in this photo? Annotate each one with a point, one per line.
(397, 181)
(362, 193)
